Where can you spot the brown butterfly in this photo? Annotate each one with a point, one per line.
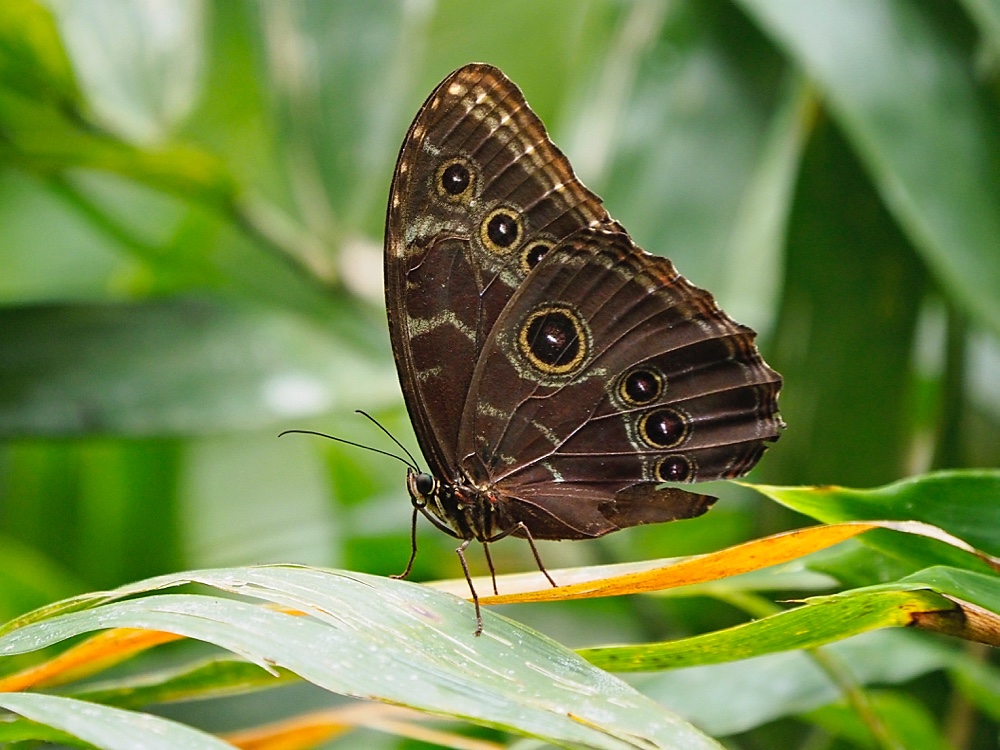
(556, 374)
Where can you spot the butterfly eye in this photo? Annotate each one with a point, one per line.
(663, 428)
(640, 386)
(500, 230)
(455, 180)
(533, 255)
(554, 339)
(674, 469)
(424, 484)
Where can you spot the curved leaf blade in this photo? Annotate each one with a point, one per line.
(949, 600)
(388, 640)
(736, 560)
(963, 503)
(106, 727)
(819, 622)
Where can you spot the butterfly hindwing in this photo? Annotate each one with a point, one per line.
(608, 371)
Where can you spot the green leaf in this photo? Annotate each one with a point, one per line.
(963, 503)
(32, 58)
(965, 585)
(906, 96)
(40, 139)
(986, 14)
(206, 679)
(106, 727)
(840, 406)
(979, 681)
(821, 620)
(705, 113)
(29, 579)
(392, 641)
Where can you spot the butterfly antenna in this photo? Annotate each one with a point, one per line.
(391, 436)
(410, 464)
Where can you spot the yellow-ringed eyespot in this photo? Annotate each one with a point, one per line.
(554, 339)
(675, 468)
(533, 254)
(640, 386)
(500, 230)
(663, 428)
(455, 180)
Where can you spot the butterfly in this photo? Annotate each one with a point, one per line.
(556, 375)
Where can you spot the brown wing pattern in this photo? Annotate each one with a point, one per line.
(608, 371)
(478, 197)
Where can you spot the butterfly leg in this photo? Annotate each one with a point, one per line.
(534, 551)
(489, 563)
(460, 550)
(413, 546)
(520, 527)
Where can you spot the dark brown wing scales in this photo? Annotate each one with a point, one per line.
(556, 375)
(607, 371)
(479, 196)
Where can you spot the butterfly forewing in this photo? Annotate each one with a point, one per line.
(479, 196)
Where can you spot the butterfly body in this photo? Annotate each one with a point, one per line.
(556, 374)
(460, 508)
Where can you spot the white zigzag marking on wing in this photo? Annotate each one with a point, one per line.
(430, 372)
(420, 326)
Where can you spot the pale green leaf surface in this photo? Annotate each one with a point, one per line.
(397, 642)
(70, 262)
(140, 66)
(107, 727)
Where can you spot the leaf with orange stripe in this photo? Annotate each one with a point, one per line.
(310, 730)
(945, 600)
(88, 658)
(741, 558)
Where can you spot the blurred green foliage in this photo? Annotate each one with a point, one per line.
(191, 205)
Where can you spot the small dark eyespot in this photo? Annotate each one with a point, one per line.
(640, 386)
(663, 428)
(674, 469)
(502, 229)
(534, 254)
(455, 179)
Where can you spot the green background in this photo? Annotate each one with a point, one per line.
(191, 206)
